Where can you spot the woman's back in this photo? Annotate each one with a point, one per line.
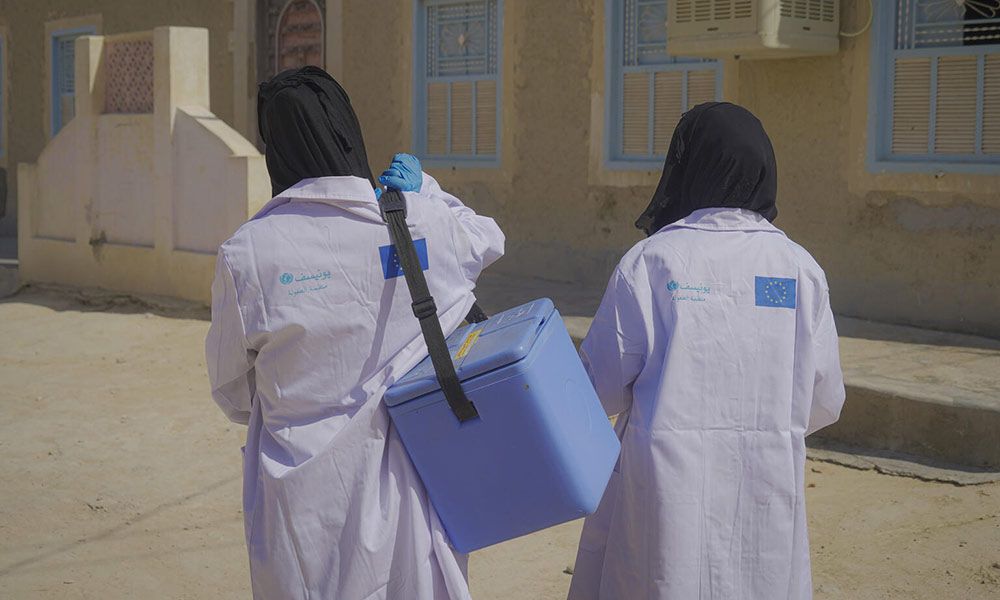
(321, 312)
(736, 303)
(723, 325)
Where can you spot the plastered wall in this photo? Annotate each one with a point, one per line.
(139, 202)
(26, 24)
(918, 249)
(915, 248)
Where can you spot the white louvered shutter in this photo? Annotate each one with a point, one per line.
(911, 108)
(486, 117)
(701, 87)
(666, 109)
(955, 114)
(461, 117)
(635, 114)
(437, 118)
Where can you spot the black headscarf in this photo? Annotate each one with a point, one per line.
(309, 128)
(719, 157)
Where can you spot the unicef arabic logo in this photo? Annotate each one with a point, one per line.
(673, 285)
(285, 278)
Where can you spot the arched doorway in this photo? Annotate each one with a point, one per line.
(292, 37)
(299, 35)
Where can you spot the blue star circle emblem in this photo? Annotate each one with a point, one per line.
(777, 292)
(673, 285)
(285, 278)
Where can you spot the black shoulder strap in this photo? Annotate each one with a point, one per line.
(393, 206)
(476, 314)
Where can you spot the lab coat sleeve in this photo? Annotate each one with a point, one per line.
(230, 364)
(484, 234)
(614, 351)
(828, 391)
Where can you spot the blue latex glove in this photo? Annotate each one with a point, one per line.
(404, 174)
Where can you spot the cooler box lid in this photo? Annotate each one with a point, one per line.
(503, 339)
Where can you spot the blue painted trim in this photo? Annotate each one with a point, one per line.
(612, 92)
(664, 67)
(420, 80)
(459, 78)
(947, 51)
(881, 34)
(635, 165)
(418, 135)
(55, 106)
(933, 166)
(879, 157)
(614, 69)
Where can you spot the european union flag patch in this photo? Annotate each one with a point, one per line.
(390, 259)
(776, 292)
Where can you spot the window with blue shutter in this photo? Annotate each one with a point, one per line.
(936, 86)
(457, 65)
(63, 73)
(648, 89)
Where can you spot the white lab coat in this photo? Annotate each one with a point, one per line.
(715, 395)
(307, 333)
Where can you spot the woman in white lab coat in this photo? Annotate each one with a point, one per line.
(716, 347)
(309, 328)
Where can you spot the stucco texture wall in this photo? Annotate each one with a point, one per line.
(559, 224)
(138, 202)
(918, 248)
(915, 249)
(26, 41)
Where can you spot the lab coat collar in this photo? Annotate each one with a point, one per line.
(724, 219)
(331, 190)
(350, 193)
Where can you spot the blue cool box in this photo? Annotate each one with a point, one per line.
(541, 451)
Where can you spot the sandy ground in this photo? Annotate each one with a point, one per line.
(120, 479)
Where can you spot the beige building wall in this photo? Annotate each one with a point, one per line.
(138, 202)
(916, 249)
(26, 25)
(913, 248)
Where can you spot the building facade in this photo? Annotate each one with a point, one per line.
(554, 116)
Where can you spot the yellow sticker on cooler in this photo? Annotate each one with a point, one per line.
(470, 341)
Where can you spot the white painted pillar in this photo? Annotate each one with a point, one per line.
(180, 78)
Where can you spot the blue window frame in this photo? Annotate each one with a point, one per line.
(648, 89)
(457, 81)
(935, 86)
(62, 95)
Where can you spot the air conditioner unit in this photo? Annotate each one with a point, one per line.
(753, 28)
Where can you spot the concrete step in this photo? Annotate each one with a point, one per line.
(921, 392)
(926, 393)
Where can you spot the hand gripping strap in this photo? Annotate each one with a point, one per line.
(393, 206)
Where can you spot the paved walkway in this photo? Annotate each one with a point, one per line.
(927, 393)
